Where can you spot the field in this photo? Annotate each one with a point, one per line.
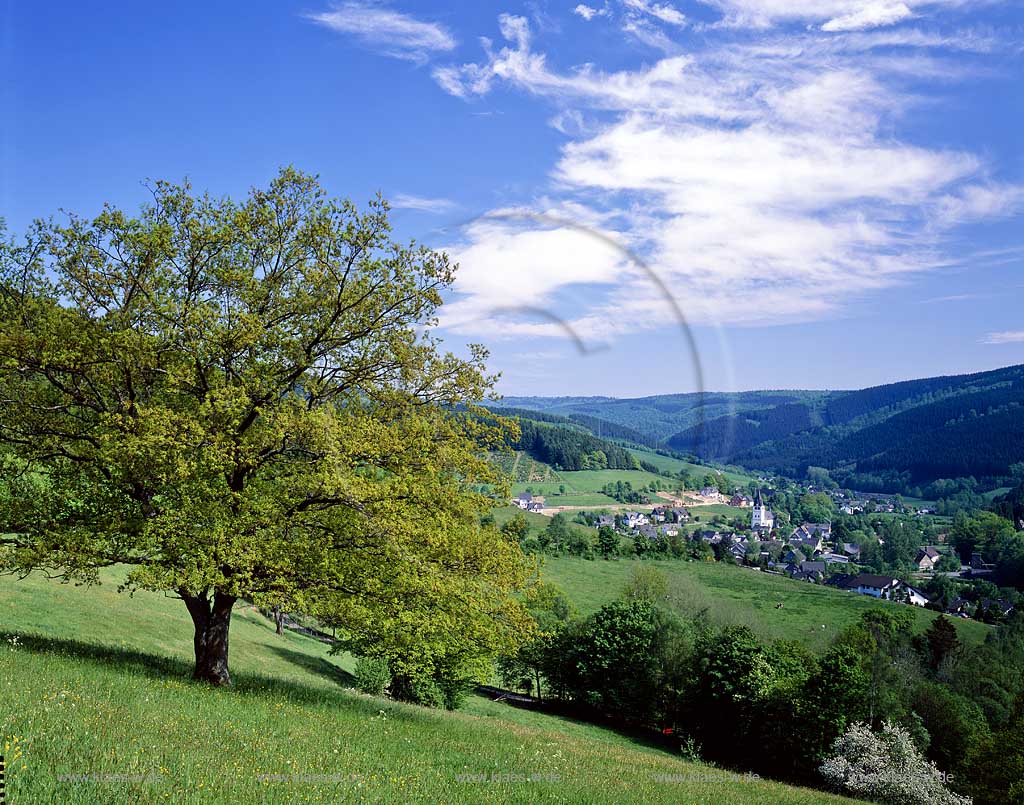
(536, 521)
(592, 481)
(735, 595)
(584, 488)
(97, 707)
(737, 476)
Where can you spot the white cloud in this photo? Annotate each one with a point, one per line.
(661, 11)
(666, 85)
(872, 15)
(390, 32)
(977, 202)
(589, 12)
(834, 15)
(406, 201)
(523, 263)
(1005, 337)
(761, 180)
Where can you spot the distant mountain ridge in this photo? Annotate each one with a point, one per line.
(912, 431)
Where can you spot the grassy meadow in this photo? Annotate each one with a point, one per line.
(736, 595)
(98, 707)
(737, 476)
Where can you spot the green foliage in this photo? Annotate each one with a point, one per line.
(942, 642)
(734, 680)
(551, 612)
(997, 771)
(424, 691)
(607, 541)
(646, 583)
(835, 696)
(516, 529)
(956, 725)
(985, 532)
(239, 400)
(372, 675)
(609, 663)
(570, 449)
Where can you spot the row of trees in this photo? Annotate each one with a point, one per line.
(776, 708)
(571, 449)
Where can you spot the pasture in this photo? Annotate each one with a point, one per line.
(98, 707)
(735, 595)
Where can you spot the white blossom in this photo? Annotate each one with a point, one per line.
(887, 767)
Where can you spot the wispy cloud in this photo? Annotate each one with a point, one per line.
(406, 201)
(871, 15)
(761, 180)
(387, 31)
(665, 12)
(956, 297)
(833, 15)
(1005, 337)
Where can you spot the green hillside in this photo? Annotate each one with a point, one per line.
(658, 417)
(894, 437)
(96, 691)
(811, 613)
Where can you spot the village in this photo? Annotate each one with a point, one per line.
(807, 552)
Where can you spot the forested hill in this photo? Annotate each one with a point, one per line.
(890, 436)
(568, 445)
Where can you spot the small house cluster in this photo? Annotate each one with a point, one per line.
(528, 502)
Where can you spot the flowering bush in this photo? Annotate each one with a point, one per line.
(887, 767)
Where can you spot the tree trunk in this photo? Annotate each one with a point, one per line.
(279, 620)
(212, 620)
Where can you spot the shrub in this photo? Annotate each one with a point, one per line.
(454, 692)
(422, 691)
(442, 690)
(886, 767)
(372, 675)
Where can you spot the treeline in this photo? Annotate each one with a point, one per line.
(845, 407)
(980, 435)
(1011, 505)
(918, 430)
(570, 450)
(777, 709)
(566, 446)
(602, 428)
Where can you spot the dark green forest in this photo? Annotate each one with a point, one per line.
(897, 437)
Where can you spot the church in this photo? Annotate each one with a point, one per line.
(761, 517)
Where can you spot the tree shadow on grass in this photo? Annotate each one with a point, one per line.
(575, 714)
(318, 666)
(154, 666)
(139, 662)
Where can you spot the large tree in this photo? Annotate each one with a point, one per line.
(243, 400)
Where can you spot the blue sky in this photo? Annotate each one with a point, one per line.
(832, 191)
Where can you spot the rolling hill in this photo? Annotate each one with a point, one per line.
(894, 435)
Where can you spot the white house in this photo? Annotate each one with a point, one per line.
(915, 597)
(634, 519)
(879, 586)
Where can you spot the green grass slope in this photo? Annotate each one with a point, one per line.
(96, 707)
(735, 595)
